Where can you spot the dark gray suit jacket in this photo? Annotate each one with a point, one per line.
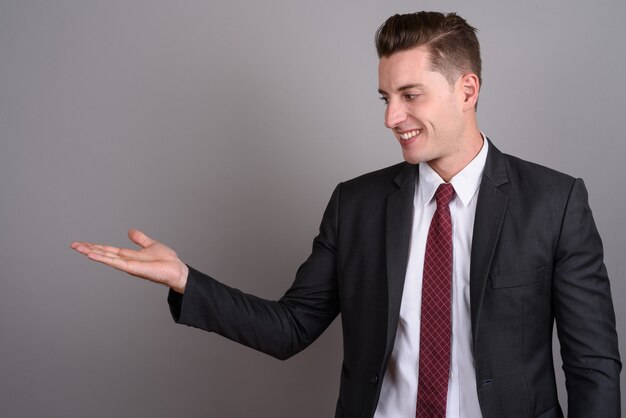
(536, 257)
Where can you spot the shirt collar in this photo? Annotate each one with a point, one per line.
(465, 182)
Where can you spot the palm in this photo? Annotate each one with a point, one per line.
(155, 261)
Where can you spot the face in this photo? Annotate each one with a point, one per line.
(427, 115)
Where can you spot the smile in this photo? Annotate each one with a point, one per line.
(410, 134)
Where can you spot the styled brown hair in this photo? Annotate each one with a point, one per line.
(449, 39)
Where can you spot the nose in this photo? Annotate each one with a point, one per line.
(394, 114)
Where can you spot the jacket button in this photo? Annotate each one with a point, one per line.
(374, 379)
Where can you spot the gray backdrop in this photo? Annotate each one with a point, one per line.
(221, 129)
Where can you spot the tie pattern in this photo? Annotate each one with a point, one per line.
(436, 324)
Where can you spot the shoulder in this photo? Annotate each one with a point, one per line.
(370, 190)
(523, 174)
(523, 168)
(383, 177)
(532, 176)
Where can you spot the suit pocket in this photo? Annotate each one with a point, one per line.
(519, 278)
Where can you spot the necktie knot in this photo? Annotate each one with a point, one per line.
(444, 194)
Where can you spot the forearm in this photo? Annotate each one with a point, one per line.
(278, 328)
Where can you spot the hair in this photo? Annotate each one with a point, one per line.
(450, 41)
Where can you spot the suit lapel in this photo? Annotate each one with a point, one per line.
(399, 225)
(490, 211)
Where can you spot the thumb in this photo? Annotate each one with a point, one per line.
(140, 238)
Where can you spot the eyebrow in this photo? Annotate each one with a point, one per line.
(404, 88)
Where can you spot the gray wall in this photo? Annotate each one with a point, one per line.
(221, 129)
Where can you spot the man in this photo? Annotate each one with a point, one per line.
(448, 269)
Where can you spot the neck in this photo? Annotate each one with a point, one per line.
(467, 150)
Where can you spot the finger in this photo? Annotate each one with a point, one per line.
(87, 248)
(126, 253)
(121, 253)
(140, 238)
(90, 245)
(106, 253)
(82, 247)
(77, 244)
(106, 248)
(131, 267)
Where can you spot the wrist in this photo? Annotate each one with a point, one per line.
(181, 283)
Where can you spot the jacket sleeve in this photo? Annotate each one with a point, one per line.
(584, 314)
(279, 328)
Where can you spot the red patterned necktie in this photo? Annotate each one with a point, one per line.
(436, 324)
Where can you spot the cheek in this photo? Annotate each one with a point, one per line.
(450, 111)
(421, 111)
(434, 112)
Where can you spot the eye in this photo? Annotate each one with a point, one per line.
(384, 99)
(410, 97)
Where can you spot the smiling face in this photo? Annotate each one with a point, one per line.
(433, 121)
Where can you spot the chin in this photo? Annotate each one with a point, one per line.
(412, 158)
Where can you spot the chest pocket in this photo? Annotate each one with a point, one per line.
(519, 278)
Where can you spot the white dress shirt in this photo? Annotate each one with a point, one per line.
(398, 396)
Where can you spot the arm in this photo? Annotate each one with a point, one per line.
(279, 328)
(584, 314)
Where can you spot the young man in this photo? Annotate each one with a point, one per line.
(449, 269)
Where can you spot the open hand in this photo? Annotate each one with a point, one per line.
(155, 261)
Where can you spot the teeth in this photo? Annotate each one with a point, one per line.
(409, 135)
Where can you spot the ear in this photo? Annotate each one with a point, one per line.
(470, 86)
